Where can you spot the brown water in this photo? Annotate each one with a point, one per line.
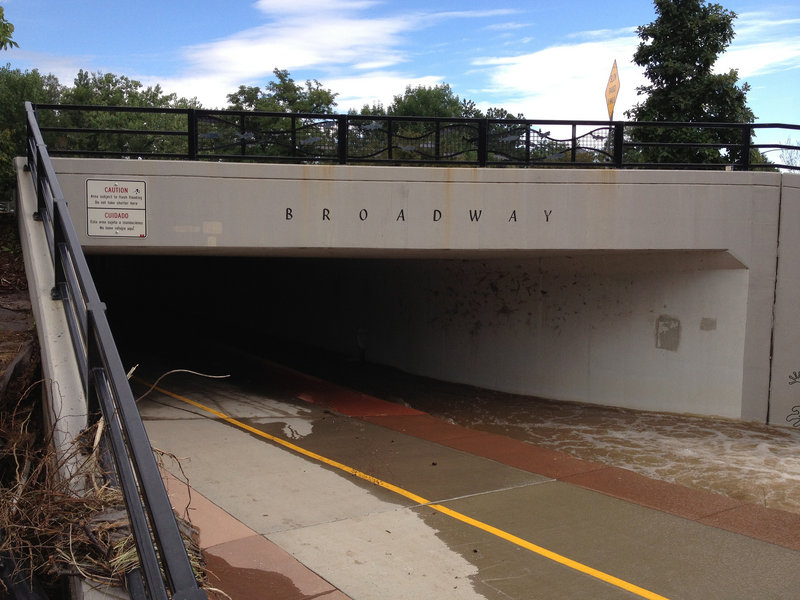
(745, 461)
(750, 462)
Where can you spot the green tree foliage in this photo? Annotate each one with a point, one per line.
(678, 52)
(436, 101)
(421, 101)
(15, 88)
(6, 33)
(275, 136)
(441, 134)
(108, 89)
(284, 95)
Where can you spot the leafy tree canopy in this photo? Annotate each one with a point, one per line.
(421, 101)
(436, 101)
(284, 95)
(6, 33)
(15, 88)
(107, 89)
(678, 52)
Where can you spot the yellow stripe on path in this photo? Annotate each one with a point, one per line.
(509, 537)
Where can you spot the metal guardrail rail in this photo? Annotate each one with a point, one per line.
(231, 135)
(165, 568)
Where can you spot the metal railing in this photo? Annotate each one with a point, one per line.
(231, 135)
(165, 568)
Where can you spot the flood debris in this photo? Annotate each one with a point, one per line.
(53, 527)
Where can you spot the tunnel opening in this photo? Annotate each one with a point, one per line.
(619, 329)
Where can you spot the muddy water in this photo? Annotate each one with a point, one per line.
(748, 462)
(745, 461)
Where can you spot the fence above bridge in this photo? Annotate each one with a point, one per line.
(229, 135)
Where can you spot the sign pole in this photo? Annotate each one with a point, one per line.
(612, 90)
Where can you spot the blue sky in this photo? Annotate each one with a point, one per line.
(545, 59)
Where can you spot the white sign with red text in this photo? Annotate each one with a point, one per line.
(116, 208)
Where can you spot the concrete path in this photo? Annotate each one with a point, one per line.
(302, 489)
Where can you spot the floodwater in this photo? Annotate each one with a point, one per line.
(745, 461)
(750, 462)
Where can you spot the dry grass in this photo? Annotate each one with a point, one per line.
(54, 527)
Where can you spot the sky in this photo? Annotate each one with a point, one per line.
(544, 59)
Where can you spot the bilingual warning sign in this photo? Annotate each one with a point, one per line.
(116, 208)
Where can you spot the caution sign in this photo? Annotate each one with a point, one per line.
(116, 208)
(612, 90)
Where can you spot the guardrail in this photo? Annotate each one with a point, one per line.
(165, 568)
(230, 135)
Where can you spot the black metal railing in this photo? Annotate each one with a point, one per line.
(230, 135)
(165, 568)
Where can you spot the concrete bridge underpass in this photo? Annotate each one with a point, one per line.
(659, 290)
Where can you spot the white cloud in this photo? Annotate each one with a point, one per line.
(752, 60)
(65, 68)
(566, 81)
(365, 50)
(763, 44)
(294, 39)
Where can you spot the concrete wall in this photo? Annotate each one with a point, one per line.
(785, 383)
(647, 289)
(657, 332)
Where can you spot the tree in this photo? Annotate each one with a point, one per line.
(6, 33)
(263, 135)
(284, 95)
(15, 88)
(108, 89)
(422, 101)
(678, 52)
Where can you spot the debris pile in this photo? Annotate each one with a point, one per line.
(54, 527)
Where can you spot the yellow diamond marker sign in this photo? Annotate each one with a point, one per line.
(612, 89)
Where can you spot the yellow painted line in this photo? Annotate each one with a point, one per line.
(522, 543)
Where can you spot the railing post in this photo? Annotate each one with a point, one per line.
(483, 142)
(342, 138)
(574, 153)
(59, 241)
(619, 140)
(93, 355)
(389, 136)
(242, 133)
(746, 141)
(293, 134)
(437, 140)
(191, 115)
(527, 144)
(40, 201)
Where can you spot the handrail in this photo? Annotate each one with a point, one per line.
(254, 136)
(158, 539)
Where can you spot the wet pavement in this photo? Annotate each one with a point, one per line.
(263, 467)
(750, 462)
